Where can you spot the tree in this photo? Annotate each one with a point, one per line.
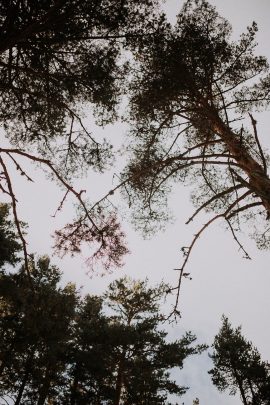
(238, 366)
(91, 358)
(186, 113)
(144, 357)
(57, 347)
(57, 59)
(9, 244)
(35, 329)
(122, 356)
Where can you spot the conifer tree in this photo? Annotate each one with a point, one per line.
(59, 59)
(238, 366)
(191, 88)
(35, 328)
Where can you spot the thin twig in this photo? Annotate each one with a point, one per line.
(18, 167)
(196, 237)
(254, 124)
(215, 197)
(60, 206)
(241, 247)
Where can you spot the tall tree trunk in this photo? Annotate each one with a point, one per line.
(2, 367)
(259, 182)
(239, 383)
(22, 387)
(43, 393)
(25, 378)
(119, 380)
(74, 390)
(255, 400)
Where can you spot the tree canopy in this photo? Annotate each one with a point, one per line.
(59, 59)
(9, 243)
(185, 109)
(238, 366)
(59, 347)
(191, 89)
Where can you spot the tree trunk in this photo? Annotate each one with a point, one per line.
(259, 182)
(25, 378)
(43, 393)
(74, 390)
(240, 384)
(119, 380)
(22, 386)
(255, 400)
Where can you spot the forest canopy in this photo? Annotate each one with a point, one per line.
(189, 95)
(186, 110)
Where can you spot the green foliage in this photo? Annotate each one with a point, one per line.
(35, 328)
(238, 366)
(58, 348)
(9, 245)
(184, 110)
(145, 357)
(60, 56)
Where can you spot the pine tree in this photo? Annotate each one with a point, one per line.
(9, 244)
(144, 356)
(35, 329)
(58, 59)
(238, 366)
(192, 85)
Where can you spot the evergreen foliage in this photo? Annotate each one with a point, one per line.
(9, 244)
(190, 90)
(57, 347)
(238, 366)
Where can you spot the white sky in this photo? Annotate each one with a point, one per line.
(223, 282)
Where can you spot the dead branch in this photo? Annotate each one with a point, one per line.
(60, 206)
(18, 167)
(254, 124)
(60, 178)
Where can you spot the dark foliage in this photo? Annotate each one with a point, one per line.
(9, 244)
(58, 61)
(238, 367)
(191, 88)
(59, 348)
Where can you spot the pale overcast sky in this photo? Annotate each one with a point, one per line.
(223, 282)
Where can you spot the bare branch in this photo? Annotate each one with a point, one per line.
(215, 197)
(46, 162)
(18, 167)
(60, 206)
(187, 250)
(254, 124)
(243, 208)
(241, 247)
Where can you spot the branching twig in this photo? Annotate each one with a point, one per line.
(187, 251)
(18, 167)
(16, 219)
(215, 197)
(241, 247)
(254, 124)
(60, 206)
(60, 178)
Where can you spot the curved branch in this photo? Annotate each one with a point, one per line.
(215, 197)
(16, 219)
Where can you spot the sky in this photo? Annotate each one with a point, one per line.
(222, 281)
